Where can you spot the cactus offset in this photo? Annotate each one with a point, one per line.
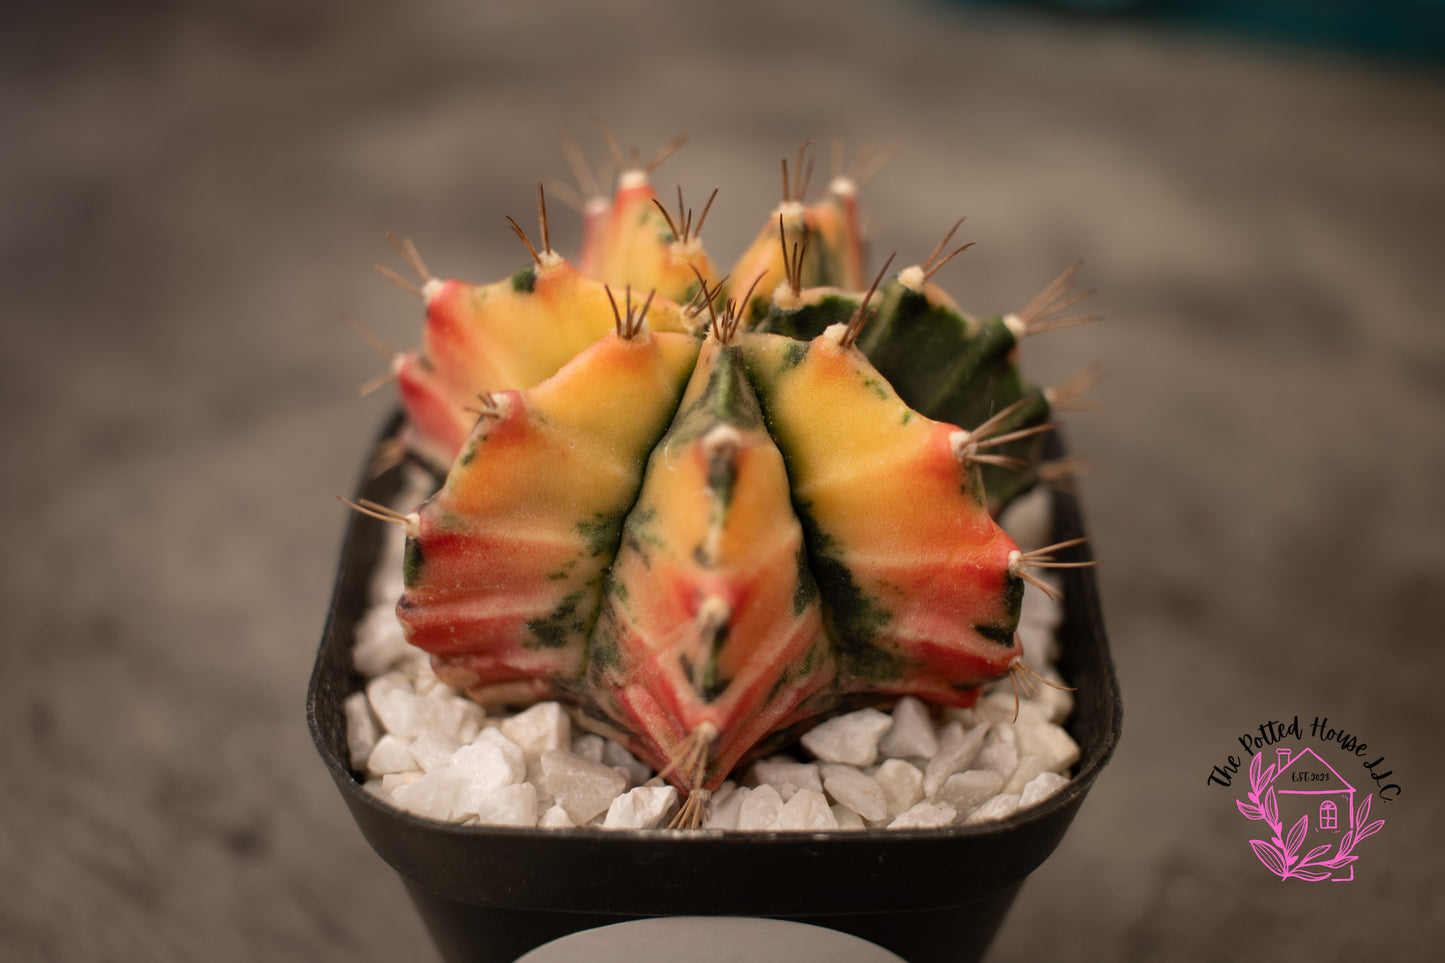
(715, 520)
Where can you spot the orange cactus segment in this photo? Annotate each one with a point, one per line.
(833, 222)
(505, 572)
(509, 335)
(711, 623)
(637, 244)
(913, 571)
(763, 266)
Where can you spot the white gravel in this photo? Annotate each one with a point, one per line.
(427, 749)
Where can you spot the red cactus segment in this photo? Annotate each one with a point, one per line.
(505, 570)
(437, 422)
(594, 221)
(711, 633)
(913, 571)
(509, 335)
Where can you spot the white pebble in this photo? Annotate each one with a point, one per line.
(957, 750)
(361, 733)
(925, 815)
(720, 793)
(472, 720)
(854, 789)
(555, 818)
(427, 684)
(387, 584)
(1056, 701)
(481, 769)
(390, 754)
(380, 644)
(1056, 749)
(393, 781)
(1000, 706)
(1000, 751)
(966, 717)
(590, 746)
(759, 810)
(723, 809)
(1023, 774)
(851, 739)
(616, 755)
(433, 796)
(646, 807)
(515, 758)
(395, 704)
(788, 777)
(514, 805)
(433, 749)
(902, 784)
(999, 807)
(444, 712)
(911, 735)
(847, 818)
(582, 787)
(1041, 787)
(1039, 620)
(544, 726)
(807, 810)
(1029, 519)
(1038, 608)
(966, 791)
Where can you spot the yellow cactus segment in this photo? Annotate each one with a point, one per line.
(881, 470)
(588, 429)
(518, 332)
(913, 571)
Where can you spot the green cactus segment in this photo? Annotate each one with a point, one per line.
(907, 558)
(914, 328)
(817, 310)
(710, 628)
(907, 339)
(1004, 483)
(496, 337)
(525, 281)
(516, 543)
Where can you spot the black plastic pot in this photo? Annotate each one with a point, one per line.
(493, 894)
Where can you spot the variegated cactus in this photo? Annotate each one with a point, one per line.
(710, 513)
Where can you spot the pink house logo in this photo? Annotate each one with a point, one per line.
(1325, 821)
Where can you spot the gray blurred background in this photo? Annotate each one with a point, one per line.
(192, 195)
